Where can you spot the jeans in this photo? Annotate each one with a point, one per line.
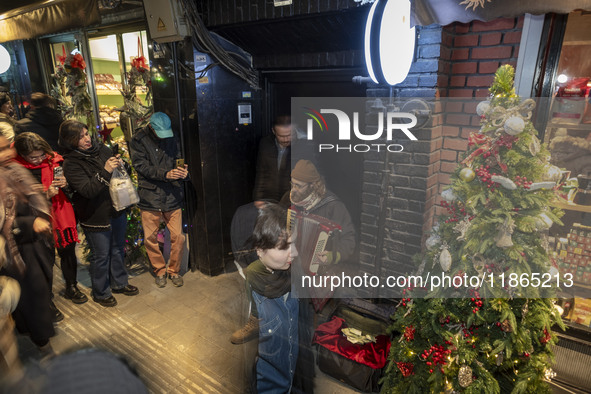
(278, 342)
(107, 264)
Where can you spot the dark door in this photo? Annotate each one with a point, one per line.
(345, 177)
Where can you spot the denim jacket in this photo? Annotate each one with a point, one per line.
(278, 342)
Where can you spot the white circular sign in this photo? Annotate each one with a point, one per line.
(4, 60)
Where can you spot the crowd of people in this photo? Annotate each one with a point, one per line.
(55, 179)
(47, 196)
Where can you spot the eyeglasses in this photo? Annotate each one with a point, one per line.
(36, 158)
(298, 186)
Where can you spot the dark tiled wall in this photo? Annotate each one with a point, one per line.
(223, 12)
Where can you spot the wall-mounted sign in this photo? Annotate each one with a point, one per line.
(389, 41)
(4, 60)
(279, 3)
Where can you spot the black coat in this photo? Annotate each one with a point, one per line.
(152, 158)
(33, 315)
(271, 182)
(89, 182)
(44, 121)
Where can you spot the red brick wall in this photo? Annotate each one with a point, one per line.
(470, 55)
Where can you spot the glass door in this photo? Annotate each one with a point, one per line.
(111, 57)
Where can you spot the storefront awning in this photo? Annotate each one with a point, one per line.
(444, 12)
(46, 17)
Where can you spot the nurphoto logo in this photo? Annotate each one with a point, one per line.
(390, 122)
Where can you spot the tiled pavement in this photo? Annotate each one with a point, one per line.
(178, 338)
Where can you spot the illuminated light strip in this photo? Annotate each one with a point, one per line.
(368, 62)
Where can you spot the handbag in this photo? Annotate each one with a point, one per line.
(123, 192)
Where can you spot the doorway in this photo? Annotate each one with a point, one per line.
(347, 175)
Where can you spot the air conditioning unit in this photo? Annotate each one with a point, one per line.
(166, 20)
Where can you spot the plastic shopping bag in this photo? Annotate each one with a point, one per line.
(123, 192)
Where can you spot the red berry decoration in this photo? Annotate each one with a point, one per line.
(409, 333)
(405, 368)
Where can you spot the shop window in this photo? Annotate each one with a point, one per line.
(111, 57)
(568, 134)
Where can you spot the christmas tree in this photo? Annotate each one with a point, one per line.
(488, 330)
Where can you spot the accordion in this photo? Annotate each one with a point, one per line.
(311, 235)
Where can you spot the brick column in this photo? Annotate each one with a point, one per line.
(455, 61)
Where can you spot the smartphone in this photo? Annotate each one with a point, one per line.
(180, 163)
(115, 149)
(58, 172)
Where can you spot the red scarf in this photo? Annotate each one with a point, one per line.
(62, 212)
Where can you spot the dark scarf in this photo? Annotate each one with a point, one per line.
(62, 212)
(17, 184)
(271, 284)
(92, 151)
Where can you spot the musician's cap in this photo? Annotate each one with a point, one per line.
(305, 171)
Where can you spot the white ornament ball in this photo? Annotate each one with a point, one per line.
(432, 241)
(448, 195)
(552, 173)
(514, 125)
(482, 107)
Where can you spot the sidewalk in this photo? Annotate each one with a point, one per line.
(177, 338)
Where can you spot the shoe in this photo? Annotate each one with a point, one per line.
(106, 302)
(56, 315)
(161, 281)
(177, 280)
(46, 351)
(247, 333)
(128, 290)
(73, 293)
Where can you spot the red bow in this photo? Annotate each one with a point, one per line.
(139, 63)
(486, 144)
(78, 62)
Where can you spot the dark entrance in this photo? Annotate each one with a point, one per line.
(344, 172)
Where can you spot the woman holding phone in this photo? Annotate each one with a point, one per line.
(88, 166)
(35, 154)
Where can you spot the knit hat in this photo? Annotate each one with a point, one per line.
(160, 122)
(305, 171)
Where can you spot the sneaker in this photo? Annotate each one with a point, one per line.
(247, 333)
(177, 280)
(73, 293)
(128, 290)
(106, 302)
(56, 314)
(161, 281)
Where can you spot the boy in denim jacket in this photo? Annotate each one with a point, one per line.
(269, 281)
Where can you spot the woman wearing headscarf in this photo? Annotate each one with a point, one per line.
(88, 166)
(35, 154)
